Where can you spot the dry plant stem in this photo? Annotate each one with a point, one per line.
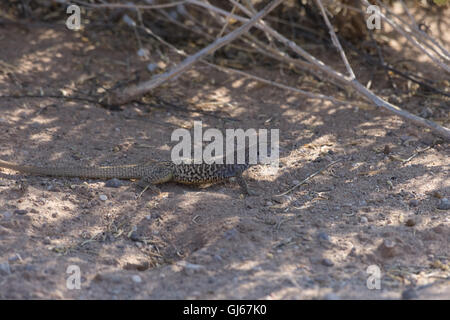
(201, 33)
(335, 40)
(362, 90)
(414, 30)
(130, 5)
(442, 52)
(253, 10)
(227, 22)
(308, 178)
(281, 56)
(411, 39)
(281, 86)
(136, 91)
(245, 74)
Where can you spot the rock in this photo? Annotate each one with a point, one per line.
(7, 215)
(134, 236)
(269, 203)
(107, 277)
(231, 234)
(136, 278)
(15, 257)
(280, 200)
(20, 212)
(331, 296)
(139, 266)
(411, 222)
(190, 266)
(444, 204)
(413, 203)
(322, 236)
(363, 203)
(113, 183)
(103, 197)
(364, 220)
(5, 270)
(327, 262)
(409, 294)
(387, 249)
(437, 194)
(152, 67)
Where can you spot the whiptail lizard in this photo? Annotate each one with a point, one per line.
(149, 174)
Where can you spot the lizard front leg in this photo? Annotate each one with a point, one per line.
(243, 184)
(156, 175)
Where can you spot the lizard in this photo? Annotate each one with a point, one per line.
(149, 173)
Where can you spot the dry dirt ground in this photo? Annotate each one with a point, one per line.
(369, 209)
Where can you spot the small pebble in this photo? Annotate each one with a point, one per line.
(103, 197)
(5, 269)
(15, 257)
(413, 203)
(410, 222)
(113, 183)
(327, 262)
(6, 215)
(387, 248)
(409, 294)
(134, 236)
(136, 279)
(269, 203)
(152, 67)
(20, 212)
(444, 204)
(324, 237)
(364, 220)
(190, 266)
(331, 296)
(437, 194)
(295, 182)
(231, 234)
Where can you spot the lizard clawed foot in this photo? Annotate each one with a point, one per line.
(151, 187)
(244, 186)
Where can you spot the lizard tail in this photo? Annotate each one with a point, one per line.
(120, 172)
(13, 166)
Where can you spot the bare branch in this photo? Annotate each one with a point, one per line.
(133, 92)
(362, 90)
(411, 39)
(335, 40)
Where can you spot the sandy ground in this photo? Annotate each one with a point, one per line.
(369, 209)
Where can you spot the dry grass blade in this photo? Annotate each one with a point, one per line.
(308, 178)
